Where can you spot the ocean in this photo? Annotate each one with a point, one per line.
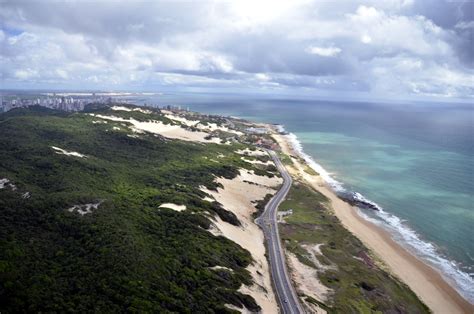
(414, 161)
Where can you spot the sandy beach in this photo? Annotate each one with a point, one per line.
(424, 280)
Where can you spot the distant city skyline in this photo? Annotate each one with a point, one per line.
(387, 50)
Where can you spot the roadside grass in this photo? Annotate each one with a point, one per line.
(285, 159)
(358, 285)
(310, 171)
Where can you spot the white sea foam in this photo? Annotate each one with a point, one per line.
(295, 143)
(399, 229)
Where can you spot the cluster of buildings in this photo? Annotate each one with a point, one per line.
(61, 101)
(172, 108)
(259, 137)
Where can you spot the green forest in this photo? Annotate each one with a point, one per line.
(128, 255)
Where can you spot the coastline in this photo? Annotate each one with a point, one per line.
(427, 283)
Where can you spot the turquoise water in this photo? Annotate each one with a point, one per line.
(414, 160)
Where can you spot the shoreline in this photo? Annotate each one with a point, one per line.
(425, 281)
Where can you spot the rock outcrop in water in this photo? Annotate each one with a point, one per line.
(356, 199)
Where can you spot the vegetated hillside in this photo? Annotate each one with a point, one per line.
(125, 253)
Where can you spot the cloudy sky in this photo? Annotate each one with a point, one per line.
(391, 48)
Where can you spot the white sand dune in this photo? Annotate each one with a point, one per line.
(167, 130)
(7, 183)
(257, 152)
(173, 206)
(123, 108)
(3, 183)
(258, 162)
(120, 108)
(208, 127)
(218, 267)
(242, 310)
(249, 175)
(84, 208)
(213, 127)
(182, 120)
(237, 196)
(313, 252)
(207, 198)
(175, 131)
(307, 282)
(67, 153)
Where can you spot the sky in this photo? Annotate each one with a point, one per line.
(379, 48)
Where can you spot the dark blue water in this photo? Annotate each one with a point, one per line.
(414, 160)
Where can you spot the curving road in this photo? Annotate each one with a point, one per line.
(287, 296)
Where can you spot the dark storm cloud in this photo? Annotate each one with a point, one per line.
(110, 20)
(456, 16)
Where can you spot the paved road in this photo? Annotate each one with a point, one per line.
(287, 297)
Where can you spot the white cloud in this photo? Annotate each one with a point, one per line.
(398, 33)
(25, 74)
(367, 14)
(324, 51)
(465, 25)
(62, 74)
(262, 77)
(416, 76)
(381, 46)
(366, 39)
